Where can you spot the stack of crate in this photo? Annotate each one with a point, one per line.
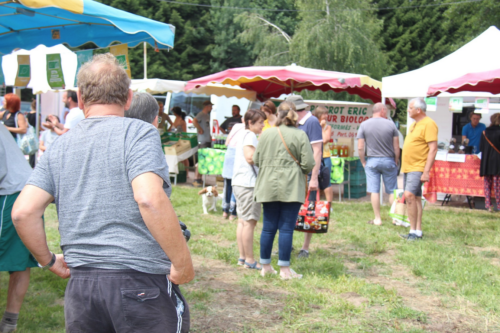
(358, 180)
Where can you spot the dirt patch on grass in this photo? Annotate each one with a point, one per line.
(454, 315)
(220, 302)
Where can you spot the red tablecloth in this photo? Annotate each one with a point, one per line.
(455, 178)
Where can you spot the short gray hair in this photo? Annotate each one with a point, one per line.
(144, 107)
(103, 81)
(419, 103)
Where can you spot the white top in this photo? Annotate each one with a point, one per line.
(48, 137)
(73, 118)
(244, 174)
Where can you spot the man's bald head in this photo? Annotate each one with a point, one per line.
(379, 107)
(103, 81)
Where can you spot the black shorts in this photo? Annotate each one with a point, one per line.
(124, 301)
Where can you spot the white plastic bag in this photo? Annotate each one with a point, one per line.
(28, 142)
(398, 209)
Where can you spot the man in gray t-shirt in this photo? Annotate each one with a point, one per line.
(120, 236)
(382, 142)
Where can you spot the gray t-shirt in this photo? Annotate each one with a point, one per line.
(89, 172)
(14, 169)
(378, 134)
(204, 121)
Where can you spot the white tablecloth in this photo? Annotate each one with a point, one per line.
(173, 160)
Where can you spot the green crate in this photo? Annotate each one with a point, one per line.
(357, 191)
(191, 137)
(169, 136)
(182, 177)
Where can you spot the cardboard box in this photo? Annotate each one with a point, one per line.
(176, 147)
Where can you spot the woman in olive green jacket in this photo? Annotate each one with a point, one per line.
(281, 185)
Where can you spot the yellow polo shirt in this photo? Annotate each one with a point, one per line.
(416, 148)
(266, 125)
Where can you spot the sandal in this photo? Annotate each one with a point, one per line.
(241, 262)
(263, 273)
(252, 266)
(373, 222)
(293, 275)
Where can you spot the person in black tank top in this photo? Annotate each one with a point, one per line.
(12, 105)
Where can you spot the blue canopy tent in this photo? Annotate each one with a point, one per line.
(29, 23)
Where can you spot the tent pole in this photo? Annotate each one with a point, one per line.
(145, 61)
(37, 129)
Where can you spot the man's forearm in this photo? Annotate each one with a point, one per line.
(430, 159)
(60, 131)
(27, 219)
(317, 159)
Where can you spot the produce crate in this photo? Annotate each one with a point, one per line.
(191, 137)
(182, 176)
(357, 191)
(176, 147)
(357, 178)
(355, 165)
(169, 136)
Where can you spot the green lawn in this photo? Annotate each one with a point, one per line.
(359, 278)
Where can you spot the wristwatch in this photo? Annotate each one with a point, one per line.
(50, 264)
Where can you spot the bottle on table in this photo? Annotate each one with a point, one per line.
(335, 149)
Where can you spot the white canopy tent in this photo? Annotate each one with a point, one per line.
(159, 86)
(38, 62)
(479, 55)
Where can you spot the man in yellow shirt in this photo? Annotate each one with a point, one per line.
(419, 152)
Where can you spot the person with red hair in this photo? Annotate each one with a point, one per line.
(13, 120)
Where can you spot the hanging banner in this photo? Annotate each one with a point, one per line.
(81, 58)
(2, 77)
(482, 105)
(345, 119)
(23, 75)
(431, 103)
(121, 53)
(55, 75)
(456, 104)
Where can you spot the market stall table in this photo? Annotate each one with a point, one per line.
(460, 178)
(173, 162)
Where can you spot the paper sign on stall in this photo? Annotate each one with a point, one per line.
(431, 103)
(441, 155)
(23, 75)
(55, 75)
(345, 119)
(2, 77)
(456, 158)
(81, 58)
(121, 54)
(482, 105)
(456, 104)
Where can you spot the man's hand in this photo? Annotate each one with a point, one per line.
(60, 268)
(397, 161)
(364, 164)
(425, 177)
(48, 125)
(200, 131)
(178, 277)
(313, 184)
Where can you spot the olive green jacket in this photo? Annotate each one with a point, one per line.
(280, 178)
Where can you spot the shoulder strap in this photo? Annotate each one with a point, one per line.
(491, 144)
(286, 147)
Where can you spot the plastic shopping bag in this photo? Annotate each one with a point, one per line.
(398, 209)
(28, 142)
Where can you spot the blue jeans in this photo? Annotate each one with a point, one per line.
(229, 201)
(280, 216)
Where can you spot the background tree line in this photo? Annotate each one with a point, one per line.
(376, 38)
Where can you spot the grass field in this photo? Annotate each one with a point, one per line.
(359, 278)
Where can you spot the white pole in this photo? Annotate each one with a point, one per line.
(145, 61)
(37, 114)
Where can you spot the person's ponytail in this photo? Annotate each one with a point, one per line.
(287, 115)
